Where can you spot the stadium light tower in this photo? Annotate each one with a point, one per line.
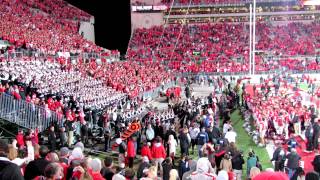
(254, 37)
(250, 40)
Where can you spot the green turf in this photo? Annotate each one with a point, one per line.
(304, 86)
(244, 142)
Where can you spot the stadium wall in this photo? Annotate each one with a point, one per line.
(146, 20)
(87, 29)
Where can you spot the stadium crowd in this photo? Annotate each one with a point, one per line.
(25, 27)
(59, 9)
(195, 124)
(217, 46)
(280, 111)
(129, 77)
(193, 48)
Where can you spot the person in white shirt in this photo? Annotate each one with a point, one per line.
(172, 146)
(194, 131)
(13, 154)
(226, 127)
(231, 136)
(149, 133)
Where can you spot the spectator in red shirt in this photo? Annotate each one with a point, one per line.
(20, 139)
(2, 89)
(145, 151)
(131, 152)
(158, 152)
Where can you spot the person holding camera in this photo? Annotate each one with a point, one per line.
(251, 162)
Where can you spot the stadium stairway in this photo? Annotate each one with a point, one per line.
(24, 114)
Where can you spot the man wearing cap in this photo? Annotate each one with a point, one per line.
(64, 155)
(8, 170)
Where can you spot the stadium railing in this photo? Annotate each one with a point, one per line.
(152, 94)
(229, 3)
(26, 114)
(18, 55)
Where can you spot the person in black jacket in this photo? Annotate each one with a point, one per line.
(63, 137)
(158, 130)
(142, 167)
(210, 136)
(52, 139)
(167, 166)
(171, 131)
(84, 131)
(237, 164)
(183, 165)
(184, 142)
(309, 137)
(187, 92)
(8, 170)
(36, 167)
(316, 134)
(316, 163)
(293, 162)
(216, 134)
(279, 158)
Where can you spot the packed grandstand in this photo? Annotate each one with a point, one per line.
(192, 99)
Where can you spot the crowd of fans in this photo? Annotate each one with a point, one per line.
(224, 47)
(292, 39)
(295, 65)
(156, 142)
(59, 9)
(280, 112)
(74, 95)
(25, 27)
(130, 77)
(68, 89)
(217, 45)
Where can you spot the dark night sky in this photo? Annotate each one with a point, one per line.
(112, 21)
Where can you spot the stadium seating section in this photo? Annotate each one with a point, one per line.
(224, 47)
(24, 26)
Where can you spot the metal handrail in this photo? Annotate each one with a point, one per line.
(27, 115)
